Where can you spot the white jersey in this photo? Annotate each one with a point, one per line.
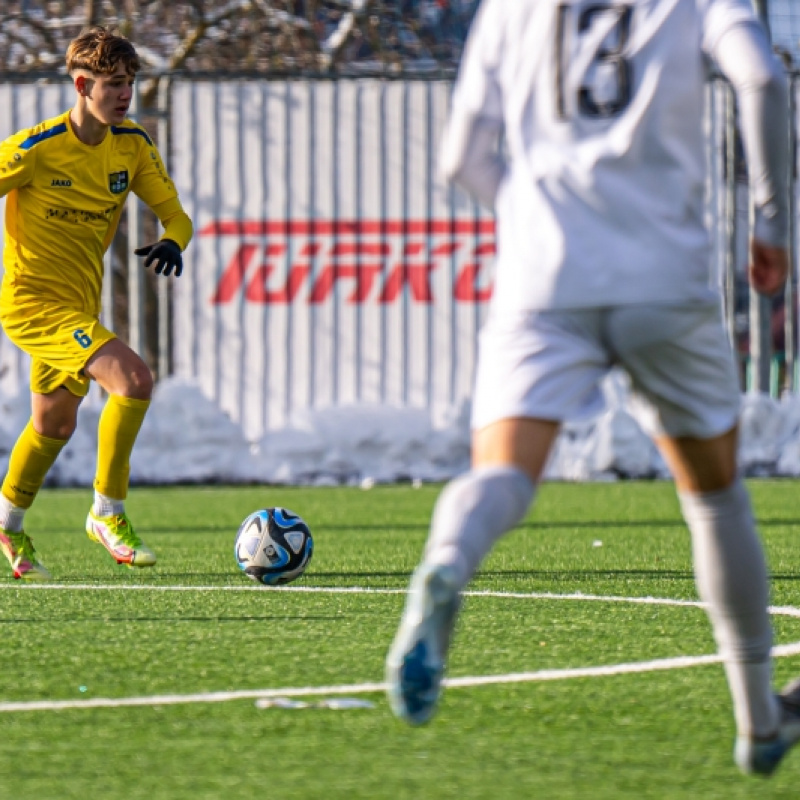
(602, 107)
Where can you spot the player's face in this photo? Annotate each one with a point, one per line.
(110, 96)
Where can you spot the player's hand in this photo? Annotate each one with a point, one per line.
(165, 253)
(769, 267)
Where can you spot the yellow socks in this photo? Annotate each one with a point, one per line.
(30, 461)
(119, 426)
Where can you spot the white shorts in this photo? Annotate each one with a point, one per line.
(549, 365)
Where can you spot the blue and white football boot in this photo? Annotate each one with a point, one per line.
(761, 757)
(416, 660)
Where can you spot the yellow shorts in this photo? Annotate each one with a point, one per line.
(59, 341)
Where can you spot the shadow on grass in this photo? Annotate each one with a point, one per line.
(170, 619)
(590, 574)
(600, 574)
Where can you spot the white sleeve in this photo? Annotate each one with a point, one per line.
(719, 16)
(470, 157)
(477, 91)
(745, 57)
(469, 153)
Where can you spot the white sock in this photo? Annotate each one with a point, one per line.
(105, 506)
(472, 513)
(11, 516)
(731, 575)
(755, 709)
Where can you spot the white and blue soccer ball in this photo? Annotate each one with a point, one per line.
(273, 546)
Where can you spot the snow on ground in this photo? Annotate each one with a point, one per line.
(187, 439)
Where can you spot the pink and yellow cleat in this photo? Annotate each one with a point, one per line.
(18, 548)
(116, 534)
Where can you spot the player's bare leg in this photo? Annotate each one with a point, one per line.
(731, 577)
(471, 514)
(121, 371)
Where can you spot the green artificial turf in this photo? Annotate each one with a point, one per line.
(194, 627)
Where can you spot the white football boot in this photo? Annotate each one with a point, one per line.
(416, 660)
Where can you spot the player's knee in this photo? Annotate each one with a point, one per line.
(140, 382)
(56, 426)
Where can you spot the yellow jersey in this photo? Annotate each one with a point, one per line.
(64, 200)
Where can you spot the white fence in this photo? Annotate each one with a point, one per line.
(331, 266)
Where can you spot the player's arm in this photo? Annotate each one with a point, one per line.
(16, 164)
(155, 187)
(745, 57)
(470, 151)
(166, 252)
(175, 221)
(471, 157)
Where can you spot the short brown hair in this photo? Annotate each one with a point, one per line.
(100, 51)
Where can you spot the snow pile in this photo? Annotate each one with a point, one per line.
(187, 439)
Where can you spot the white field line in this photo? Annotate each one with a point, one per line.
(132, 587)
(679, 662)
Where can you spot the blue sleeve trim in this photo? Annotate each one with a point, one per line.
(117, 130)
(32, 141)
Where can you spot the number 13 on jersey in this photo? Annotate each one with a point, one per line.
(593, 77)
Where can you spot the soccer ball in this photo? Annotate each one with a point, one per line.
(273, 546)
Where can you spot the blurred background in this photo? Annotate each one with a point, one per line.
(276, 36)
(264, 36)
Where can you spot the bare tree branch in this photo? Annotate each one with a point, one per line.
(333, 47)
(190, 42)
(265, 36)
(91, 13)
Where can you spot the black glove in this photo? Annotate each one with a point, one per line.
(166, 254)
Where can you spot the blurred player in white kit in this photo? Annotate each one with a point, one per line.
(604, 260)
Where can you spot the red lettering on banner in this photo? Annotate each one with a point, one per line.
(380, 258)
(257, 291)
(363, 274)
(417, 278)
(361, 249)
(466, 289)
(234, 274)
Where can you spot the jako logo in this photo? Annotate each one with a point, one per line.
(284, 262)
(61, 182)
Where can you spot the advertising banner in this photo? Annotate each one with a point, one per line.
(331, 266)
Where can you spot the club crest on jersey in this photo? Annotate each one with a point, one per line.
(118, 181)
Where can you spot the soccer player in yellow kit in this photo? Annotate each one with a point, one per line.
(66, 181)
